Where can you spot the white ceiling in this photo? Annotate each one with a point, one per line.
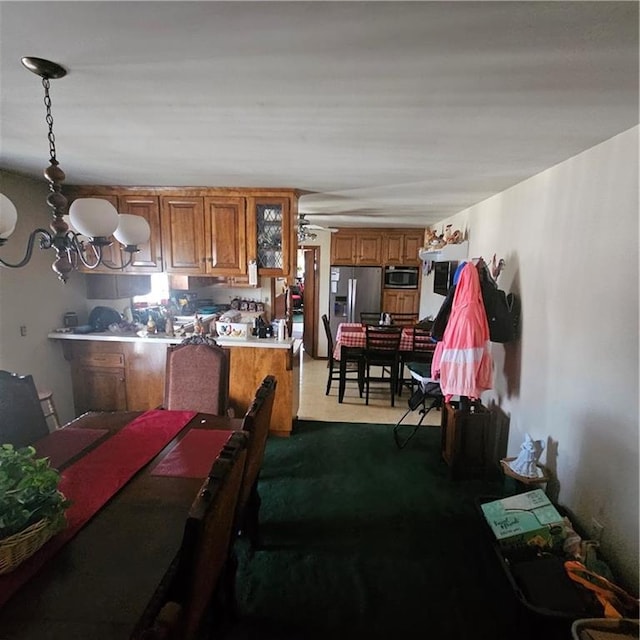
(387, 113)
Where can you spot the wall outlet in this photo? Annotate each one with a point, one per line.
(597, 529)
(23, 330)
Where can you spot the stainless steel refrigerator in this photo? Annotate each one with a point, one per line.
(351, 291)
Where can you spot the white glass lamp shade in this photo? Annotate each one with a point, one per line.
(132, 230)
(8, 216)
(93, 217)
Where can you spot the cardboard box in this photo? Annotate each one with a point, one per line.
(525, 519)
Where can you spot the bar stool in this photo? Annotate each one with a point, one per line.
(49, 408)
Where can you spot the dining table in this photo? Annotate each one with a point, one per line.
(131, 478)
(350, 341)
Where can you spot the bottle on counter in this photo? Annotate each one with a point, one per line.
(168, 327)
(282, 330)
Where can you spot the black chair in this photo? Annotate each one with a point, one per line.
(370, 317)
(421, 351)
(22, 420)
(382, 349)
(351, 362)
(404, 319)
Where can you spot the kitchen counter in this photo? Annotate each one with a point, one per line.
(125, 372)
(106, 336)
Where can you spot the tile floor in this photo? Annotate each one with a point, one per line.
(315, 405)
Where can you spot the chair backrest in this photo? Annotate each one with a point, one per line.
(384, 338)
(22, 420)
(178, 607)
(197, 378)
(422, 341)
(327, 330)
(257, 421)
(404, 319)
(370, 317)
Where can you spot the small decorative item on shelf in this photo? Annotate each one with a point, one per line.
(32, 507)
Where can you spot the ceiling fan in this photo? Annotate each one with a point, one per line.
(306, 228)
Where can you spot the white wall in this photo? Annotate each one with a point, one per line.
(32, 296)
(570, 240)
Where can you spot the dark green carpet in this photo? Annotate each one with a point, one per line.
(360, 539)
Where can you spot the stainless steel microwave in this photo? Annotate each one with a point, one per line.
(401, 277)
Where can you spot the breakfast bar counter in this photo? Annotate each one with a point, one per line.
(125, 372)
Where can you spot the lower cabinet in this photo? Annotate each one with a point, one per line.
(129, 376)
(400, 301)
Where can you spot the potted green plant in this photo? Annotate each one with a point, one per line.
(31, 506)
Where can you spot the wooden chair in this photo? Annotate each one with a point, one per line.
(342, 371)
(404, 319)
(197, 378)
(422, 350)
(256, 422)
(22, 419)
(382, 350)
(370, 317)
(187, 593)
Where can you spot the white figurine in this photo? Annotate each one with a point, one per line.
(526, 464)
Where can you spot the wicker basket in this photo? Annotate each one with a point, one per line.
(17, 548)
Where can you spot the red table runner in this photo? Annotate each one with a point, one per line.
(62, 445)
(91, 481)
(193, 456)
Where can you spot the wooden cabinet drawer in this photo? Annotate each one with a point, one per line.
(102, 360)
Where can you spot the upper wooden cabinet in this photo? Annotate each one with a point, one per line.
(149, 257)
(376, 247)
(357, 247)
(183, 234)
(225, 228)
(270, 240)
(401, 247)
(207, 231)
(400, 301)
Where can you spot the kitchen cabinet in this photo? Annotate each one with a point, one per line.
(98, 378)
(149, 257)
(183, 234)
(400, 300)
(127, 374)
(225, 228)
(270, 238)
(401, 248)
(204, 235)
(357, 247)
(376, 247)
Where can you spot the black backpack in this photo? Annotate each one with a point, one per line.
(503, 311)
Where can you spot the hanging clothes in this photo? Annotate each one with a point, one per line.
(462, 360)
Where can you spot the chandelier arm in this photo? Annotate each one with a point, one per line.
(46, 242)
(78, 248)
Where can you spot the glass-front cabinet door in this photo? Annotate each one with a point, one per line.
(271, 234)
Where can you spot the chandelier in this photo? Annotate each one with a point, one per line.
(79, 238)
(304, 232)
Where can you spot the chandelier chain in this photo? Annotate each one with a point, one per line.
(49, 120)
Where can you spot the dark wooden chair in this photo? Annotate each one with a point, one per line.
(382, 349)
(256, 422)
(197, 378)
(22, 419)
(349, 368)
(404, 319)
(370, 317)
(186, 599)
(422, 350)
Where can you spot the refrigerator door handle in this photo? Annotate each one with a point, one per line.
(352, 300)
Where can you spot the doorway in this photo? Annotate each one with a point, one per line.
(307, 277)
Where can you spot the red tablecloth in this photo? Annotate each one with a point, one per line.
(352, 334)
